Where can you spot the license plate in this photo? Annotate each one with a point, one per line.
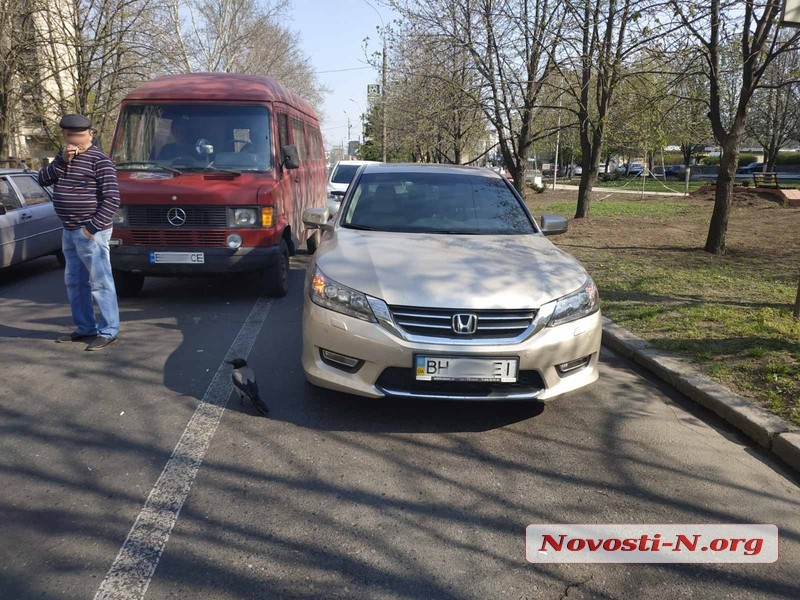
(462, 368)
(177, 258)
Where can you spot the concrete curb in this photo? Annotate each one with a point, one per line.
(767, 430)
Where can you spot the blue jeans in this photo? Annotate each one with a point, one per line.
(88, 278)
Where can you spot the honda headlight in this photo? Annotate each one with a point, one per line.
(332, 295)
(244, 217)
(584, 302)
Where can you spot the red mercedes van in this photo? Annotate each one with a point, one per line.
(215, 171)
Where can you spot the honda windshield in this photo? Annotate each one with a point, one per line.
(444, 203)
(194, 136)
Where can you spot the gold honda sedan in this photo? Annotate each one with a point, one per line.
(436, 282)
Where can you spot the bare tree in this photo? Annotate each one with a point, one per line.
(88, 54)
(16, 47)
(241, 36)
(511, 46)
(752, 28)
(433, 99)
(601, 39)
(774, 118)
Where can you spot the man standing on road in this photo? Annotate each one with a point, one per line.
(85, 198)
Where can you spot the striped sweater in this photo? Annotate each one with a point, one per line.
(86, 192)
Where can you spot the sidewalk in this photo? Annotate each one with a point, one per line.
(767, 430)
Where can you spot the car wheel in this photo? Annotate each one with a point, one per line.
(276, 277)
(128, 284)
(60, 258)
(313, 242)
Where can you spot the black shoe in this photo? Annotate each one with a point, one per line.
(76, 337)
(100, 342)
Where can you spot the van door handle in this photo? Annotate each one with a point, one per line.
(26, 216)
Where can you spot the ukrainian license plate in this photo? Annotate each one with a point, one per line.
(177, 258)
(462, 368)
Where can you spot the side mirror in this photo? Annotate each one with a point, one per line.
(553, 225)
(291, 160)
(317, 218)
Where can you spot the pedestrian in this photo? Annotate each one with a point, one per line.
(85, 198)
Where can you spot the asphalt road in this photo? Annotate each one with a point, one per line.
(338, 497)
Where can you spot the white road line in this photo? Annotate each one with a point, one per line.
(132, 570)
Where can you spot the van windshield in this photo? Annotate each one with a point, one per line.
(194, 136)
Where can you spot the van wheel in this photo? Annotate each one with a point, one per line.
(128, 284)
(276, 277)
(313, 242)
(60, 258)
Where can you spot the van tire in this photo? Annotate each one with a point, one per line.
(128, 283)
(60, 258)
(276, 277)
(312, 243)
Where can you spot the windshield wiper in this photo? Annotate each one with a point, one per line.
(450, 232)
(150, 163)
(360, 227)
(217, 169)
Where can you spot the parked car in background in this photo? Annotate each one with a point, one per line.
(340, 177)
(754, 167)
(435, 282)
(675, 172)
(633, 169)
(29, 227)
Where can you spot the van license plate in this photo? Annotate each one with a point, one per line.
(461, 368)
(177, 258)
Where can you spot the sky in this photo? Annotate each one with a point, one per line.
(333, 37)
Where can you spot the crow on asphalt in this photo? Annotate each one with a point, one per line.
(245, 382)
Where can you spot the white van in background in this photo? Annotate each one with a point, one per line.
(340, 177)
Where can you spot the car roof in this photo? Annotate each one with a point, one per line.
(14, 171)
(430, 167)
(357, 162)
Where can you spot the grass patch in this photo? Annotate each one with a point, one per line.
(650, 185)
(728, 314)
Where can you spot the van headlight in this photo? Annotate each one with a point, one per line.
(243, 217)
(332, 295)
(577, 305)
(120, 216)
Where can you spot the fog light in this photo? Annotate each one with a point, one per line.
(573, 365)
(234, 241)
(340, 361)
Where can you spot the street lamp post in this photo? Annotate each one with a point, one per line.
(383, 78)
(348, 134)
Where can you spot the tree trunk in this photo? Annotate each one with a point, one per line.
(517, 172)
(715, 242)
(796, 312)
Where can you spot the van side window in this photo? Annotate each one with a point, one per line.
(314, 146)
(283, 130)
(299, 139)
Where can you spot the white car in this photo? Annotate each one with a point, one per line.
(340, 177)
(436, 282)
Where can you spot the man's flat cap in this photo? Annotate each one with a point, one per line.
(78, 122)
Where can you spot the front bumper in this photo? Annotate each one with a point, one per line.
(387, 360)
(217, 260)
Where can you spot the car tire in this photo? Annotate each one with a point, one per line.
(60, 258)
(128, 284)
(276, 277)
(312, 243)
